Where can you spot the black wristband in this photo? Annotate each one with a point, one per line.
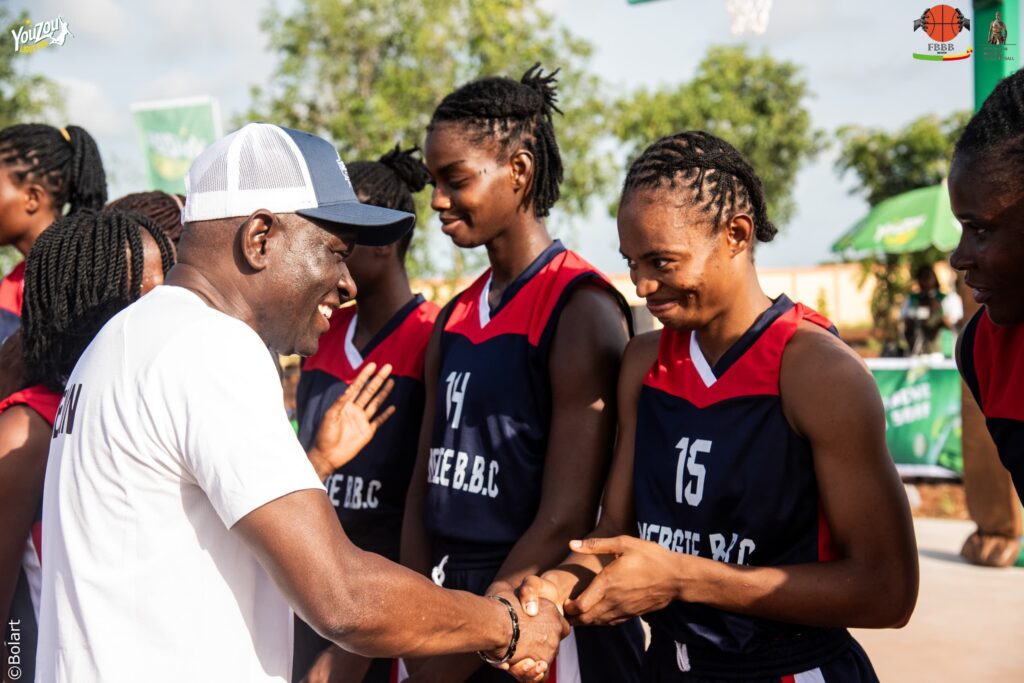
(515, 635)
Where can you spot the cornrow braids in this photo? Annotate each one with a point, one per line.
(65, 161)
(390, 182)
(513, 114)
(162, 208)
(997, 129)
(721, 178)
(81, 271)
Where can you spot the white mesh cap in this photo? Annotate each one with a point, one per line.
(263, 166)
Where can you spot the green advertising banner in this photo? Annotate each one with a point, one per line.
(173, 133)
(922, 414)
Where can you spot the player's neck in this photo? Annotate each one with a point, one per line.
(733, 322)
(378, 305)
(514, 250)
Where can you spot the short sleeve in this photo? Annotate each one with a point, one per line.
(236, 439)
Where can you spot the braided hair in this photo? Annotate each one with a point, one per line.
(81, 271)
(721, 178)
(390, 182)
(162, 208)
(513, 114)
(65, 161)
(996, 131)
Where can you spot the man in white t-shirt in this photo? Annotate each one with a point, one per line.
(182, 519)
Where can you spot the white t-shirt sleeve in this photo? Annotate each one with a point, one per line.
(237, 441)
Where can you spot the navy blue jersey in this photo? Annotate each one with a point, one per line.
(721, 474)
(369, 492)
(489, 441)
(992, 364)
(493, 402)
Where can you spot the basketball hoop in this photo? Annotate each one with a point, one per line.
(748, 15)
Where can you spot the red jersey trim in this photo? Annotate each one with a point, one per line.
(12, 290)
(39, 398)
(405, 348)
(998, 354)
(755, 373)
(529, 311)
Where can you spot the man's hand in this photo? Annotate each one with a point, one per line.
(539, 637)
(537, 588)
(352, 420)
(641, 579)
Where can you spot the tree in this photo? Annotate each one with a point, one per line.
(755, 103)
(23, 98)
(885, 164)
(369, 73)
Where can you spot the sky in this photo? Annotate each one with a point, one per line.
(855, 56)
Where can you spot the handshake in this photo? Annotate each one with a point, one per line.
(635, 580)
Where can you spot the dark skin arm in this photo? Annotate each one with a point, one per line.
(584, 360)
(618, 516)
(874, 581)
(371, 606)
(24, 447)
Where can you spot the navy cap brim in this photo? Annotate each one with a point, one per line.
(374, 226)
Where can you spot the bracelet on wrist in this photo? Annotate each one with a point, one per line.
(511, 651)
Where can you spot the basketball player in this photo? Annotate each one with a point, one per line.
(751, 459)
(987, 198)
(390, 326)
(520, 373)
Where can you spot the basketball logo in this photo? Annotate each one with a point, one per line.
(942, 24)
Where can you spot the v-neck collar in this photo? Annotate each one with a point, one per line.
(356, 356)
(711, 375)
(544, 258)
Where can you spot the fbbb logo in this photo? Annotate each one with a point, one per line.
(64, 420)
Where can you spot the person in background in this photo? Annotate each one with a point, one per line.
(922, 314)
(162, 208)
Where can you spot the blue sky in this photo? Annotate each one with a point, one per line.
(855, 56)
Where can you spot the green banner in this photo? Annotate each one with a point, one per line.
(173, 133)
(922, 415)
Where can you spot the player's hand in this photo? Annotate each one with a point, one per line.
(642, 578)
(539, 637)
(533, 589)
(352, 420)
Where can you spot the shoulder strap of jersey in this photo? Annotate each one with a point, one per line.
(968, 369)
(39, 398)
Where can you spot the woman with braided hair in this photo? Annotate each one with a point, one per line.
(389, 325)
(82, 270)
(520, 377)
(160, 207)
(752, 513)
(42, 170)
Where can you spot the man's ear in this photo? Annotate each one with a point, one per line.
(254, 237)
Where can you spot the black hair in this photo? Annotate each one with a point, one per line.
(162, 208)
(390, 182)
(715, 170)
(513, 113)
(77, 276)
(997, 129)
(65, 161)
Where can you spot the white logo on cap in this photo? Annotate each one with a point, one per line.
(344, 171)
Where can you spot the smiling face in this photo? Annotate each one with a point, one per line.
(304, 281)
(475, 191)
(678, 262)
(991, 249)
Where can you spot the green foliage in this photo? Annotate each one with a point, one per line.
(369, 73)
(23, 97)
(755, 103)
(885, 164)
